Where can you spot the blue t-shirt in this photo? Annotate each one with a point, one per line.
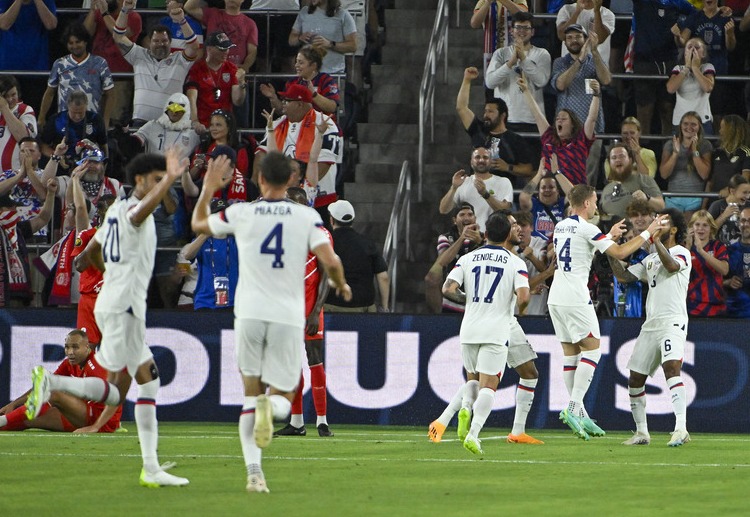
(544, 225)
(653, 21)
(217, 258)
(25, 45)
(634, 291)
(711, 30)
(738, 302)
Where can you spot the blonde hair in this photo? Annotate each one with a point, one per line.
(633, 122)
(737, 134)
(704, 214)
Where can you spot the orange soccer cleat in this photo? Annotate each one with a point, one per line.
(524, 438)
(435, 433)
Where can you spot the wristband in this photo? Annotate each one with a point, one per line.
(558, 171)
(315, 94)
(106, 14)
(183, 21)
(55, 158)
(596, 94)
(646, 235)
(510, 167)
(123, 10)
(486, 195)
(270, 130)
(333, 44)
(696, 153)
(120, 30)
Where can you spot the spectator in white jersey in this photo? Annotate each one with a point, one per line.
(158, 73)
(663, 335)
(569, 302)
(274, 236)
(485, 328)
(126, 244)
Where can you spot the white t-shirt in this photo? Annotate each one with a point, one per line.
(155, 80)
(128, 253)
(490, 277)
(273, 242)
(690, 96)
(586, 20)
(575, 242)
(498, 187)
(158, 139)
(667, 292)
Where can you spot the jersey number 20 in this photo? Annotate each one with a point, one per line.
(111, 248)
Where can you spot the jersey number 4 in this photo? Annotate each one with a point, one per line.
(563, 254)
(488, 270)
(111, 248)
(272, 245)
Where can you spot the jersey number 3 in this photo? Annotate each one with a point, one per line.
(272, 245)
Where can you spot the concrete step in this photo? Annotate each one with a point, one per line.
(377, 173)
(402, 93)
(393, 114)
(397, 153)
(370, 192)
(421, 35)
(371, 210)
(470, 55)
(372, 133)
(385, 74)
(415, 4)
(409, 18)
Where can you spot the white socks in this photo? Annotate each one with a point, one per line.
(453, 407)
(250, 452)
(679, 402)
(148, 427)
(481, 410)
(297, 420)
(638, 408)
(471, 388)
(280, 406)
(583, 376)
(524, 400)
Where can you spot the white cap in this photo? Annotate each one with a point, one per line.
(342, 211)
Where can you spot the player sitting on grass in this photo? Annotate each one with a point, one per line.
(66, 413)
(663, 335)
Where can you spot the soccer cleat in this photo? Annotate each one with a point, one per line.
(638, 439)
(324, 430)
(263, 429)
(590, 427)
(435, 432)
(290, 430)
(575, 425)
(39, 394)
(679, 437)
(160, 479)
(473, 445)
(464, 422)
(256, 483)
(523, 438)
(121, 429)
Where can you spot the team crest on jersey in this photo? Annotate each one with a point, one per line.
(225, 77)
(185, 140)
(746, 258)
(89, 129)
(650, 265)
(708, 37)
(169, 61)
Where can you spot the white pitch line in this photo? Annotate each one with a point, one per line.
(420, 460)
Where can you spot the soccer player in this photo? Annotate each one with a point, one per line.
(316, 291)
(570, 306)
(485, 328)
(124, 248)
(274, 236)
(520, 357)
(662, 337)
(64, 412)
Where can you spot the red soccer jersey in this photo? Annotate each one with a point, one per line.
(706, 295)
(312, 279)
(214, 88)
(91, 278)
(90, 368)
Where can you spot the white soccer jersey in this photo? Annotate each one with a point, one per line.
(490, 277)
(128, 253)
(155, 80)
(667, 292)
(273, 241)
(157, 139)
(575, 242)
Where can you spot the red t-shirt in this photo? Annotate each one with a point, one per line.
(91, 278)
(208, 82)
(312, 278)
(104, 45)
(90, 368)
(240, 29)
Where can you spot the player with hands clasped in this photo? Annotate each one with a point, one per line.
(663, 335)
(573, 315)
(274, 236)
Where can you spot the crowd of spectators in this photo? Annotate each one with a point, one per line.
(673, 160)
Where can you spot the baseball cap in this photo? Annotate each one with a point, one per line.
(93, 154)
(224, 150)
(296, 92)
(342, 210)
(219, 39)
(577, 28)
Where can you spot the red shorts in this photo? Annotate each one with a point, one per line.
(93, 410)
(321, 330)
(86, 318)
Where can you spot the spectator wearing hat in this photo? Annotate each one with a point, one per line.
(93, 182)
(79, 71)
(158, 73)
(362, 261)
(15, 283)
(171, 129)
(75, 124)
(463, 237)
(592, 16)
(294, 134)
(214, 83)
(235, 187)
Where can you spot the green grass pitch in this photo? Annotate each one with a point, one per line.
(389, 471)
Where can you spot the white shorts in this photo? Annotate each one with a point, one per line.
(574, 323)
(519, 349)
(487, 358)
(271, 351)
(123, 342)
(655, 347)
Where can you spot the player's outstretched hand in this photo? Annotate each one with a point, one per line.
(617, 230)
(175, 164)
(658, 222)
(89, 429)
(217, 172)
